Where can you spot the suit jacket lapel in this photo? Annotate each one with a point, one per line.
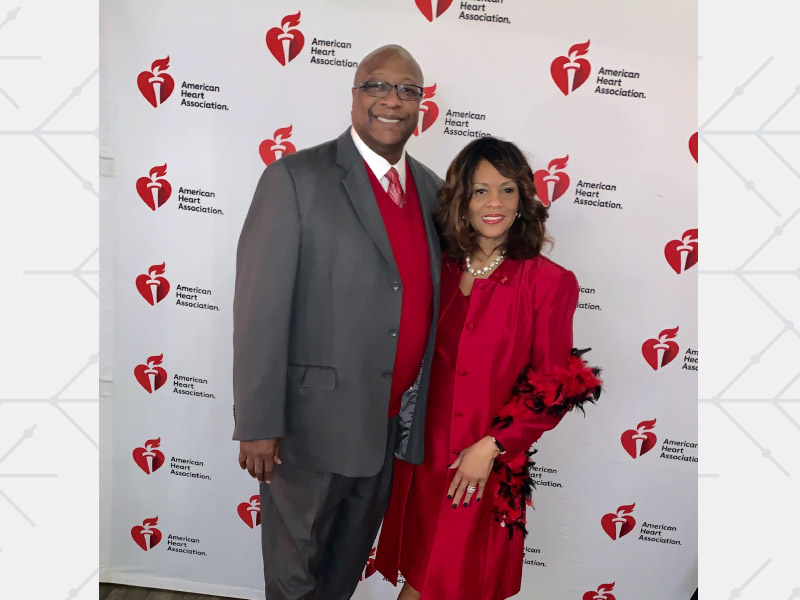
(359, 191)
(426, 187)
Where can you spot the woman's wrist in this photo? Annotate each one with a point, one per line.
(492, 443)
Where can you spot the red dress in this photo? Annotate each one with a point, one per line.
(521, 315)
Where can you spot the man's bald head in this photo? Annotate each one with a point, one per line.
(388, 53)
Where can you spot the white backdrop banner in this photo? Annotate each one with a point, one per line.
(600, 96)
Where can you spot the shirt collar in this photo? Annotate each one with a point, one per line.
(377, 163)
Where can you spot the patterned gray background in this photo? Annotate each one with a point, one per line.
(749, 300)
(49, 250)
(749, 418)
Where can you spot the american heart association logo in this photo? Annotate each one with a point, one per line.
(682, 254)
(154, 190)
(151, 375)
(620, 523)
(571, 72)
(146, 535)
(641, 440)
(284, 42)
(152, 286)
(660, 351)
(426, 7)
(156, 85)
(603, 592)
(429, 110)
(250, 512)
(693, 146)
(149, 458)
(370, 568)
(551, 183)
(278, 146)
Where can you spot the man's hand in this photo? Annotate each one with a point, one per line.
(259, 458)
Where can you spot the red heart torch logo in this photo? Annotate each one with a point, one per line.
(682, 254)
(250, 512)
(284, 42)
(156, 85)
(571, 72)
(154, 190)
(602, 593)
(641, 440)
(660, 351)
(370, 568)
(152, 286)
(551, 183)
(693, 146)
(426, 7)
(620, 523)
(272, 150)
(428, 110)
(146, 535)
(149, 458)
(151, 376)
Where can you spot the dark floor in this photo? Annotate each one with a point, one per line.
(113, 591)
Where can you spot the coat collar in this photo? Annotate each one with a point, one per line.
(452, 272)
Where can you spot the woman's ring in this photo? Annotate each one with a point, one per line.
(471, 489)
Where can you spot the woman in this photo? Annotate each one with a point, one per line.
(503, 373)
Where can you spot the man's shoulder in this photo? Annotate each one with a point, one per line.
(426, 171)
(321, 155)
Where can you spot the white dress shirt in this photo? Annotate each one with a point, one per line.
(379, 165)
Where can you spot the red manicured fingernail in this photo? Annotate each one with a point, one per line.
(465, 503)
(449, 496)
(455, 505)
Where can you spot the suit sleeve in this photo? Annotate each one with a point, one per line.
(266, 267)
(517, 427)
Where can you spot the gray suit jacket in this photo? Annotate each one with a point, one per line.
(317, 295)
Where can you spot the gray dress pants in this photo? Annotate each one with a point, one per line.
(317, 529)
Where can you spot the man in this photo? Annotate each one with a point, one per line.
(337, 287)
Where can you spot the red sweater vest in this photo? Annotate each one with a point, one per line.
(406, 230)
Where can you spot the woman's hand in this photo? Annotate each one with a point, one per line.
(473, 466)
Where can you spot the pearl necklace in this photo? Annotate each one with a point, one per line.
(487, 269)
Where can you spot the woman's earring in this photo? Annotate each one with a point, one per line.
(518, 215)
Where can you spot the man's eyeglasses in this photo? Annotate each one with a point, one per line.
(381, 89)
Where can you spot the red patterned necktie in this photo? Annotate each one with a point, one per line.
(395, 189)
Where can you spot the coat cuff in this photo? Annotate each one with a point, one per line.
(551, 394)
(555, 393)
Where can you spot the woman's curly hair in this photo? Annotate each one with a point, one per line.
(459, 238)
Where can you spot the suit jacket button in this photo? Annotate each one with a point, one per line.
(470, 326)
(387, 374)
(393, 332)
(396, 286)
